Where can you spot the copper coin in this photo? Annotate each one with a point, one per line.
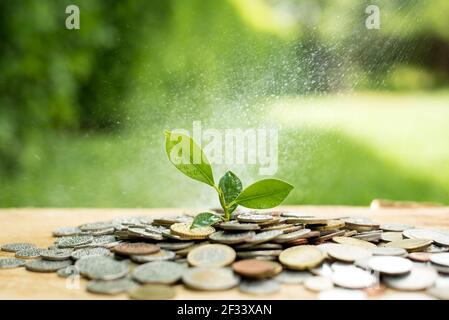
(136, 249)
(419, 256)
(256, 268)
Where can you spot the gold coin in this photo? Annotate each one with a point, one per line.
(331, 225)
(301, 257)
(211, 255)
(391, 236)
(410, 244)
(354, 242)
(183, 229)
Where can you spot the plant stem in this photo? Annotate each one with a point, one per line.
(227, 214)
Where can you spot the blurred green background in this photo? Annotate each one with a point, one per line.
(361, 113)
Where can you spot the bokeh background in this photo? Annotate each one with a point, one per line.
(361, 113)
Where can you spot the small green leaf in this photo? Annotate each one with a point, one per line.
(264, 194)
(205, 219)
(231, 186)
(188, 157)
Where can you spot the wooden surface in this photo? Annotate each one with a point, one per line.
(36, 225)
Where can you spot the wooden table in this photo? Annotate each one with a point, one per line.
(36, 225)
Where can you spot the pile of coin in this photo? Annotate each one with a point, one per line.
(258, 252)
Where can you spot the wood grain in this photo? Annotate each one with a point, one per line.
(36, 225)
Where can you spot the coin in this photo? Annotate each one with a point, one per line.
(360, 224)
(66, 231)
(318, 284)
(439, 292)
(169, 220)
(96, 226)
(348, 253)
(308, 220)
(253, 268)
(441, 259)
(83, 264)
(254, 218)
(14, 247)
(163, 272)
(161, 255)
(258, 253)
(9, 263)
(68, 271)
(86, 252)
(259, 287)
(331, 225)
(29, 253)
(417, 279)
(260, 246)
(353, 278)
(56, 254)
(390, 265)
(141, 233)
(152, 292)
(210, 279)
(183, 229)
(264, 236)
(106, 269)
(110, 287)
(175, 245)
(234, 225)
(342, 294)
(135, 249)
(231, 237)
(391, 236)
(323, 270)
(40, 265)
(301, 257)
(156, 229)
(438, 237)
(395, 227)
(292, 277)
(211, 255)
(388, 251)
(354, 242)
(410, 244)
(73, 241)
(291, 236)
(419, 256)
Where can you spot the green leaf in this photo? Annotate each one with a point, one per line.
(205, 219)
(231, 186)
(264, 194)
(188, 157)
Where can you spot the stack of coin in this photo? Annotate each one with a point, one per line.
(258, 252)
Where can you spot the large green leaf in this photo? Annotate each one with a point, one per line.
(264, 194)
(188, 157)
(205, 219)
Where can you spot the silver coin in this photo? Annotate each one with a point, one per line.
(210, 279)
(107, 269)
(127, 220)
(363, 263)
(342, 294)
(88, 252)
(101, 240)
(439, 292)
(84, 263)
(261, 246)
(56, 254)
(9, 263)
(73, 241)
(162, 272)
(237, 226)
(156, 229)
(339, 265)
(291, 236)
(175, 245)
(318, 284)
(96, 226)
(389, 251)
(111, 287)
(323, 270)
(391, 236)
(68, 272)
(101, 232)
(66, 231)
(441, 269)
(441, 259)
(256, 253)
(390, 265)
(260, 287)
(264, 236)
(420, 278)
(435, 249)
(254, 218)
(14, 247)
(348, 253)
(231, 237)
(161, 255)
(292, 277)
(395, 227)
(439, 237)
(353, 278)
(143, 233)
(29, 253)
(40, 265)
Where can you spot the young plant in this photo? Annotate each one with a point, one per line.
(188, 157)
